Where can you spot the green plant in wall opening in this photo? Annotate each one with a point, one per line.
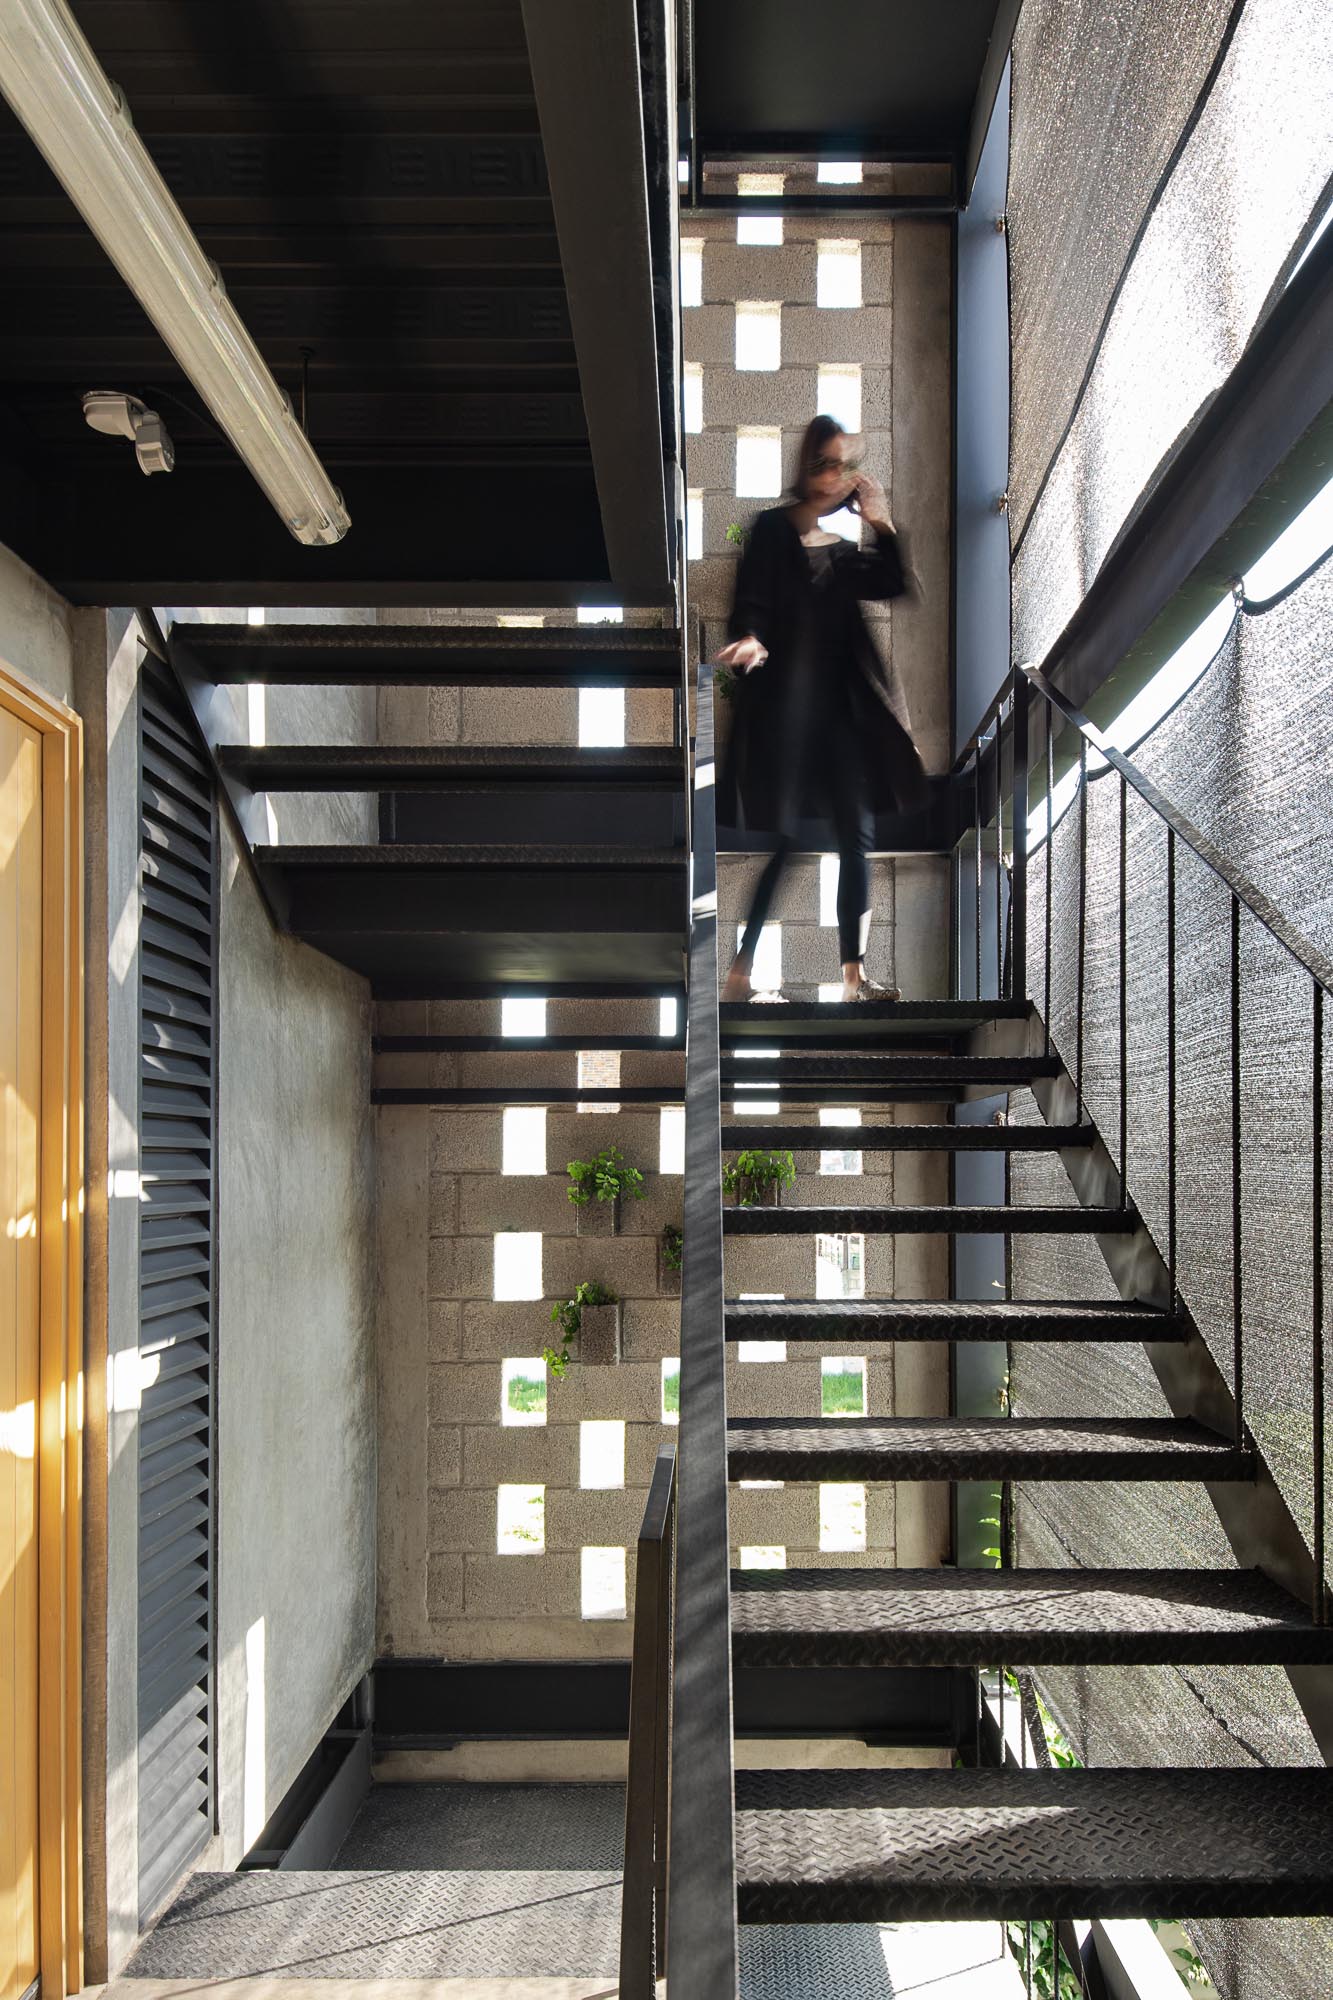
(673, 1245)
(567, 1314)
(753, 1172)
(605, 1177)
(725, 683)
(736, 535)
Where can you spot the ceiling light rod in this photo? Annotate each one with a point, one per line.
(80, 122)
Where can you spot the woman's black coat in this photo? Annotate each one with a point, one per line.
(766, 782)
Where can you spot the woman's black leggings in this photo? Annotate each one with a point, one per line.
(855, 829)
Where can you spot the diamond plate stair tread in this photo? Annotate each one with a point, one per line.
(884, 1065)
(1039, 1617)
(913, 1138)
(399, 855)
(737, 1018)
(945, 1319)
(904, 1219)
(798, 1448)
(337, 765)
(893, 1846)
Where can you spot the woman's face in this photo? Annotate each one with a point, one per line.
(827, 480)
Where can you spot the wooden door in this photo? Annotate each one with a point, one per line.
(20, 1186)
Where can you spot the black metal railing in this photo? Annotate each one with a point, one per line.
(1002, 968)
(643, 1914)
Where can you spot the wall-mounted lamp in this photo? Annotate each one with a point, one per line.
(82, 126)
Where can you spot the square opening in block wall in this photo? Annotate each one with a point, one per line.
(523, 1149)
(837, 1160)
(838, 273)
(601, 718)
(838, 394)
(523, 1017)
(844, 173)
(668, 1015)
(766, 971)
(518, 1264)
(840, 1271)
(692, 398)
(520, 1520)
(842, 1386)
(694, 524)
(842, 1519)
(599, 1069)
(602, 1453)
(691, 270)
(670, 1388)
(758, 335)
(759, 229)
(601, 614)
(671, 1140)
(602, 1580)
(774, 1557)
(758, 463)
(523, 1391)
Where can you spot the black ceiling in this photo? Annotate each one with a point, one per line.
(372, 182)
(895, 79)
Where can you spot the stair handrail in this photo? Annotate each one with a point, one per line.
(701, 1885)
(1253, 898)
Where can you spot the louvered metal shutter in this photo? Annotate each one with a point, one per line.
(177, 1013)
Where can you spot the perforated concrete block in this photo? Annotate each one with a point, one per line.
(881, 1515)
(713, 576)
(708, 334)
(651, 1328)
(556, 1636)
(444, 1330)
(464, 1017)
(458, 1520)
(577, 1135)
(630, 1390)
(519, 1201)
(772, 271)
(601, 1017)
(444, 1205)
(765, 396)
(876, 274)
(784, 1264)
(496, 1454)
(513, 1586)
(460, 1267)
(628, 1264)
(881, 1267)
(881, 1381)
(518, 1069)
(444, 1585)
(466, 1141)
(444, 1455)
(444, 711)
(403, 715)
(814, 1190)
(500, 1330)
(650, 716)
(823, 333)
(642, 1444)
(712, 462)
(582, 1518)
(921, 902)
(877, 413)
(402, 1017)
(520, 715)
(786, 1515)
(654, 1066)
(663, 1203)
(463, 1392)
(773, 1388)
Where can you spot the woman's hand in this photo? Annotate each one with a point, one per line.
(871, 502)
(744, 655)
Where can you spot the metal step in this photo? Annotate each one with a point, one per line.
(949, 1219)
(818, 1021)
(449, 768)
(924, 1067)
(421, 1045)
(539, 1093)
(1039, 1617)
(908, 1138)
(889, 1846)
(431, 655)
(817, 1448)
(841, 1320)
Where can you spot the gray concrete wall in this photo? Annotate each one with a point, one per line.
(36, 629)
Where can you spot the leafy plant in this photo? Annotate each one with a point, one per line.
(725, 682)
(737, 535)
(671, 1394)
(1043, 1960)
(604, 1177)
(567, 1314)
(1191, 1968)
(753, 1169)
(526, 1394)
(842, 1396)
(673, 1245)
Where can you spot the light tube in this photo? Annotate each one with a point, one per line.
(81, 124)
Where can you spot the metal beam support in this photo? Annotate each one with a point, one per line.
(585, 56)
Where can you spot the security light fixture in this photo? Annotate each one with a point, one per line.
(82, 126)
(116, 415)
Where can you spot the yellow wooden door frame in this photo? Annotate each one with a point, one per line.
(60, 1350)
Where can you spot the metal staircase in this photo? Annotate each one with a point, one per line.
(994, 1837)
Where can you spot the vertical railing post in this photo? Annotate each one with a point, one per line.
(1124, 984)
(1319, 1604)
(1171, 1065)
(643, 1897)
(1050, 864)
(1082, 916)
(1237, 1205)
(1018, 877)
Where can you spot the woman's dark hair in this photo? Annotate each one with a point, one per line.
(818, 432)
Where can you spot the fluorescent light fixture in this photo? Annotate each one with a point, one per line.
(81, 124)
